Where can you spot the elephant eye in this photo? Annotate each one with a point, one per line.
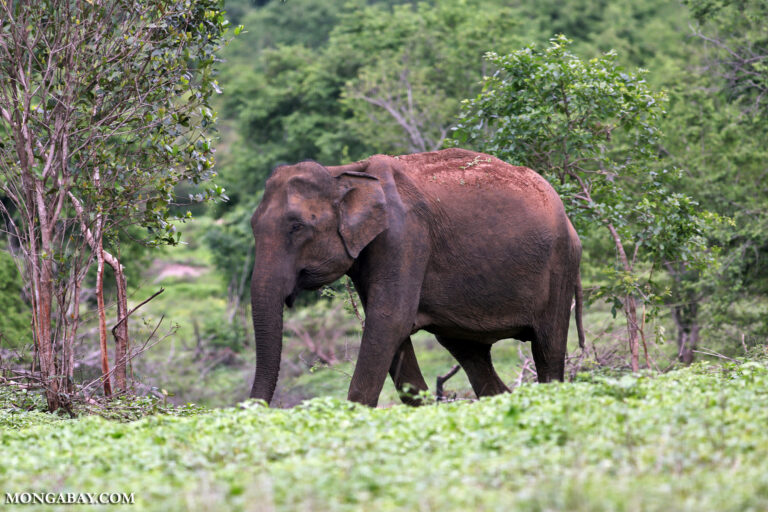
(295, 227)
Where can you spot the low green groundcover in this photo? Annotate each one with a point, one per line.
(693, 439)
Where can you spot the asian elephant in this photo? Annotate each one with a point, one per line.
(458, 243)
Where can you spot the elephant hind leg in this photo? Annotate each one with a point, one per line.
(549, 347)
(550, 343)
(475, 359)
(549, 358)
(406, 374)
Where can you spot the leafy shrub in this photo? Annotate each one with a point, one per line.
(15, 329)
(21, 408)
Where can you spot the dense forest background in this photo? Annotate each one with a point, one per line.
(337, 81)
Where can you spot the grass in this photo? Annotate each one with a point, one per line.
(692, 439)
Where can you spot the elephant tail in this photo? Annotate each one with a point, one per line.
(579, 304)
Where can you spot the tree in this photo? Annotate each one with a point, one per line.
(591, 128)
(416, 63)
(717, 127)
(738, 44)
(104, 108)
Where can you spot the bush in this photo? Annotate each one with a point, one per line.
(16, 317)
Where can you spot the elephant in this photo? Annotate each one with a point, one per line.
(454, 242)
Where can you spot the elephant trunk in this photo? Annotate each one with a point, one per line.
(267, 298)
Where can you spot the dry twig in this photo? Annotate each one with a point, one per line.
(441, 380)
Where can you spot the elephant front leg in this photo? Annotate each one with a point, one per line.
(381, 341)
(388, 279)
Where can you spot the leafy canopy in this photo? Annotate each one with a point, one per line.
(592, 128)
(718, 125)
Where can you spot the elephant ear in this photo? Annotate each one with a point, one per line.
(362, 210)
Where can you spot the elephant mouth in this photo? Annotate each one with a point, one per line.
(290, 299)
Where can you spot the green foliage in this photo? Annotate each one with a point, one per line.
(137, 91)
(165, 122)
(16, 317)
(284, 111)
(220, 334)
(231, 244)
(591, 128)
(414, 64)
(736, 32)
(344, 79)
(717, 128)
(299, 101)
(105, 108)
(132, 408)
(20, 408)
(647, 33)
(566, 118)
(304, 22)
(687, 440)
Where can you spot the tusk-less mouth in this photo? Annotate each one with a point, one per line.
(289, 300)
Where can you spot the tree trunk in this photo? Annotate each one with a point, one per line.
(73, 321)
(688, 328)
(95, 242)
(43, 291)
(633, 329)
(630, 304)
(121, 329)
(102, 320)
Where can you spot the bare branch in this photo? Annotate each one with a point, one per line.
(442, 379)
(132, 311)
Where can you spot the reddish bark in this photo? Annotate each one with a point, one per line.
(102, 320)
(120, 330)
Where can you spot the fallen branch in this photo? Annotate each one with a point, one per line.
(441, 379)
(519, 381)
(712, 353)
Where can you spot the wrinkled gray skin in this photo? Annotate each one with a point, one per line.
(458, 243)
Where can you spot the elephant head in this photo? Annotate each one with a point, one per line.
(309, 227)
